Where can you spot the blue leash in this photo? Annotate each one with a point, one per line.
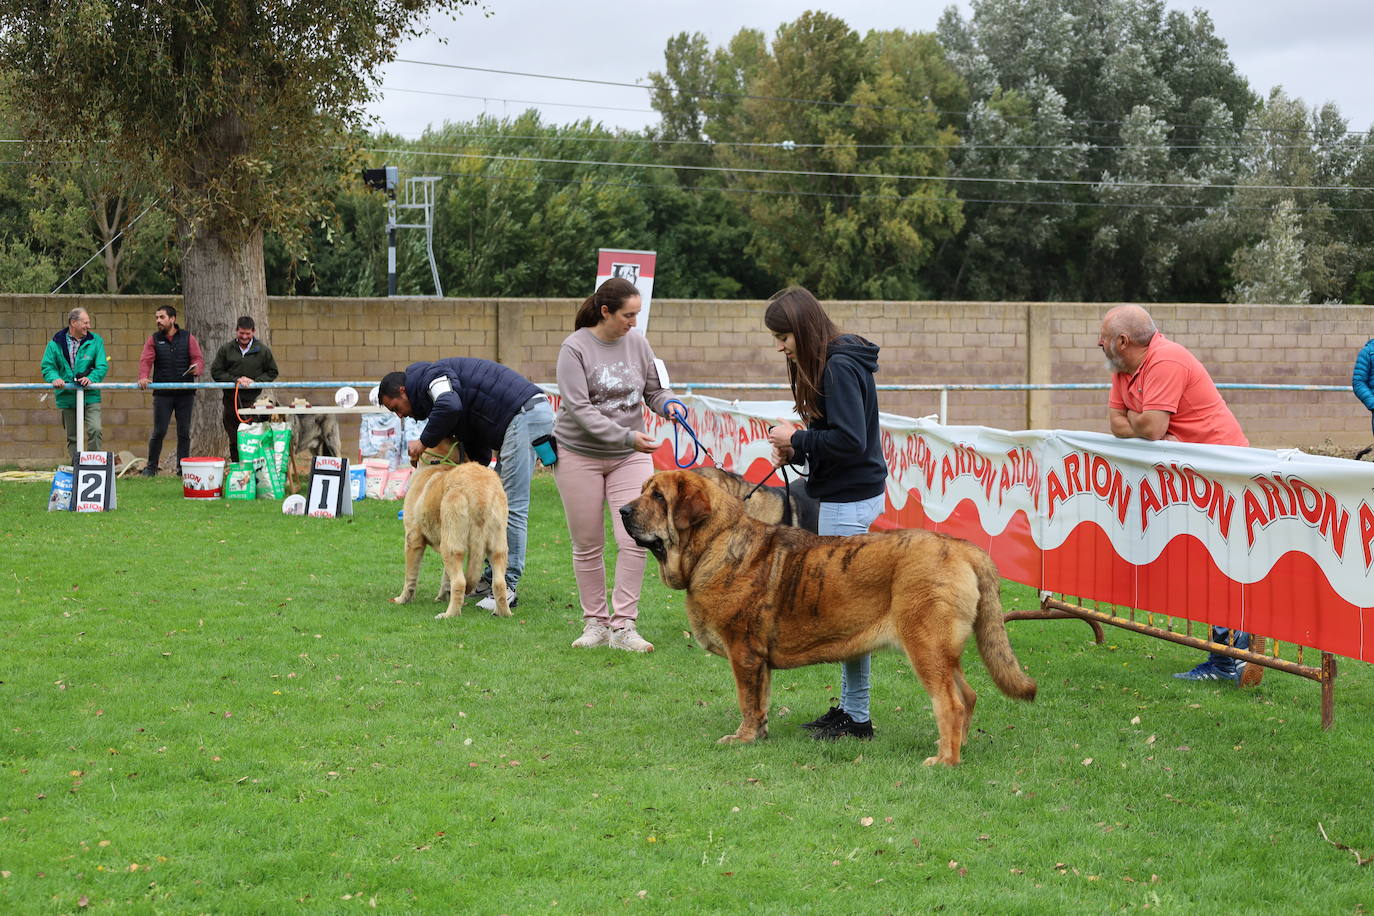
(679, 418)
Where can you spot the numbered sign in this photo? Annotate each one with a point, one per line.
(329, 495)
(93, 490)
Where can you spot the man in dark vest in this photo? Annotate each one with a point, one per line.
(170, 355)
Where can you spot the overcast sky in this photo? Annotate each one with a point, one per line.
(1317, 51)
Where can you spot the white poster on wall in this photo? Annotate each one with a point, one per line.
(635, 266)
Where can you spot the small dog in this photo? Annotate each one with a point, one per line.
(459, 510)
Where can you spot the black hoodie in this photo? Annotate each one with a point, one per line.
(842, 445)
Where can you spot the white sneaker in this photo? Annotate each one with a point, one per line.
(489, 603)
(593, 635)
(628, 639)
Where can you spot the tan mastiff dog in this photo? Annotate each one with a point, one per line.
(460, 511)
(769, 597)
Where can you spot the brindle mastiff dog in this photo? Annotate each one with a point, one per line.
(459, 510)
(767, 597)
(769, 504)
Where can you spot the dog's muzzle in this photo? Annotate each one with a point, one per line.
(652, 544)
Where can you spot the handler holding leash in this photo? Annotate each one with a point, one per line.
(489, 409)
(832, 386)
(605, 375)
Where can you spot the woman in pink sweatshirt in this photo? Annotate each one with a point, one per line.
(606, 375)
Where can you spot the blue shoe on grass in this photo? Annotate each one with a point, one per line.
(1213, 670)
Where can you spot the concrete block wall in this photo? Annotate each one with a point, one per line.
(717, 341)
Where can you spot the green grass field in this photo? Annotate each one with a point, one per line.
(212, 707)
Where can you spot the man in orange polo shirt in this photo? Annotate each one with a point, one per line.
(1161, 391)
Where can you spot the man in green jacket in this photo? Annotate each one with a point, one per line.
(245, 360)
(76, 357)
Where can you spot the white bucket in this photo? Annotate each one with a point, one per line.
(202, 478)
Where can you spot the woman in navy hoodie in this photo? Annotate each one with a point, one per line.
(832, 386)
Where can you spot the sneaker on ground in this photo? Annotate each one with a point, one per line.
(844, 726)
(628, 638)
(149, 471)
(489, 603)
(825, 720)
(481, 590)
(1211, 671)
(593, 635)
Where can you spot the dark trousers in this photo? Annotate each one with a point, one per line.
(164, 405)
(231, 425)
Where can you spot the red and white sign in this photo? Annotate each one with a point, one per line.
(1273, 542)
(635, 266)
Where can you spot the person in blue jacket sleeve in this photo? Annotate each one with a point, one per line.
(1362, 380)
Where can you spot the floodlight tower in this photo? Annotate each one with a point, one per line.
(419, 195)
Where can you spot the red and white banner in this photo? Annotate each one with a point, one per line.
(635, 266)
(1279, 543)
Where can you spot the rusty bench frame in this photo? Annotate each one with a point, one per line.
(1052, 608)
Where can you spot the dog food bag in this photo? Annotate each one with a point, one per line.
(281, 446)
(60, 496)
(241, 481)
(271, 482)
(396, 483)
(253, 439)
(376, 469)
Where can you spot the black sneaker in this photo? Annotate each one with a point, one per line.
(845, 727)
(825, 720)
(149, 471)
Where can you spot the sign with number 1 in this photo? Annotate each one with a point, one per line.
(329, 496)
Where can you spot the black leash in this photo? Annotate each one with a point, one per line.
(780, 469)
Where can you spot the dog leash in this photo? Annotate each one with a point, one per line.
(780, 469)
(679, 418)
(445, 457)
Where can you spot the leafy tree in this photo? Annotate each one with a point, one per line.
(820, 99)
(239, 110)
(1150, 108)
(1271, 272)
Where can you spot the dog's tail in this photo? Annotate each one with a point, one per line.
(991, 632)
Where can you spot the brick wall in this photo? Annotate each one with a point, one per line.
(922, 343)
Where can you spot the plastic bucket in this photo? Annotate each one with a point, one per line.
(357, 481)
(202, 478)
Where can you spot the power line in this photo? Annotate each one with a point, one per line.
(811, 173)
(488, 98)
(824, 102)
(851, 196)
(116, 237)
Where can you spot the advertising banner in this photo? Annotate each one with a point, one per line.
(1279, 543)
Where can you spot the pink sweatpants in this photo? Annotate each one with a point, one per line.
(588, 486)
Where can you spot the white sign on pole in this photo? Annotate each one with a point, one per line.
(93, 490)
(328, 496)
(635, 266)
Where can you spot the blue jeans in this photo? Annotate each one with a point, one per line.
(515, 466)
(846, 519)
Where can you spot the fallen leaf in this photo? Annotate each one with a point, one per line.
(1087, 761)
(82, 901)
(1151, 739)
(953, 864)
(866, 821)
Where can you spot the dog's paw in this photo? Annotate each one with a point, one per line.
(497, 613)
(936, 761)
(735, 738)
(401, 599)
(444, 615)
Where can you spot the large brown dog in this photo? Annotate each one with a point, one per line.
(769, 597)
(460, 511)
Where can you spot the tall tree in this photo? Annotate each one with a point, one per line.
(238, 110)
(815, 130)
(1153, 107)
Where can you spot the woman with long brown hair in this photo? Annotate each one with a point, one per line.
(831, 373)
(606, 374)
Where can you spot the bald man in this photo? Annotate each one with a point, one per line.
(1161, 391)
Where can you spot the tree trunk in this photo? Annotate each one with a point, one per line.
(221, 279)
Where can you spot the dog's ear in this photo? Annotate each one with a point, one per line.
(693, 502)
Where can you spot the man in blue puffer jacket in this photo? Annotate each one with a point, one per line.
(491, 410)
(1363, 379)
